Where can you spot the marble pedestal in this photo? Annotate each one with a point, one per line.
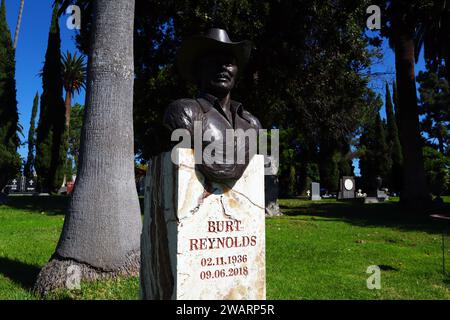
(202, 240)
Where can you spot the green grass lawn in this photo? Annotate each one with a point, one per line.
(317, 250)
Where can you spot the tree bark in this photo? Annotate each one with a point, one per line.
(68, 107)
(68, 103)
(19, 21)
(415, 191)
(101, 232)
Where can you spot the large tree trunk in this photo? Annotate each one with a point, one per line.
(415, 192)
(19, 20)
(101, 233)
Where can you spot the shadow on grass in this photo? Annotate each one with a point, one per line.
(388, 214)
(52, 205)
(19, 272)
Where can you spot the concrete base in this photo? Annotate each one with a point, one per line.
(374, 200)
(371, 200)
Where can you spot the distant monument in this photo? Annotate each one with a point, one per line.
(21, 185)
(347, 188)
(30, 185)
(315, 187)
(377, 194)
(13, 186)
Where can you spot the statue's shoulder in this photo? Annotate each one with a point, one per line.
(254, 121)
(181, 113)
(184, 104)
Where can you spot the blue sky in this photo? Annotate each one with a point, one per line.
(30, 53)
(386, 68)
(33, 43)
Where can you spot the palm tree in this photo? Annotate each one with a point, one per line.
(101, 233)
(74, 78)
(19, 20)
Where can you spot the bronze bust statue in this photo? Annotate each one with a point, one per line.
(213, 62)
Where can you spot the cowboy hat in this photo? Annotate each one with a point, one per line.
(212, 40)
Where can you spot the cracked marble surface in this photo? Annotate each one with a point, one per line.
(203, 240)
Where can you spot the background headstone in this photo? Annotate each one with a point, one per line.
(315, 194)
(30, 186)
(271, 189)
(382, 195)
(347, 188)
(202, 240)
(377, 194)
(14, 186)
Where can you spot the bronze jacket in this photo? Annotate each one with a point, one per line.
(206, 108)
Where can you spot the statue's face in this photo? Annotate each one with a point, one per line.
(217, 73)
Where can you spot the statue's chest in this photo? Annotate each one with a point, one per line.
(215, 125)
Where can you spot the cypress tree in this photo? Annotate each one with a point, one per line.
(51, 147)
(383, 156)
(29, 165)
(375, 160)
(395, 149)
(9, 118)
(396, 105)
